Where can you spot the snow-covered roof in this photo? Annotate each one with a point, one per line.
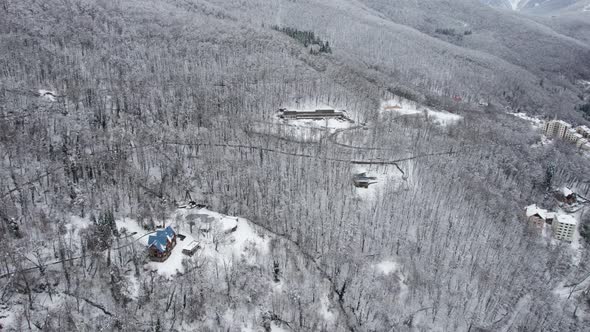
(532, 210)
(566, 191)
(192, 245)
(160, 240)
(562, 123)
(155, 241)
(566, 219)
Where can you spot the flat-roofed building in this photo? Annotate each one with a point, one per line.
(571, 135)
(564, 227)
(581, 142)
(557, 128)
(562, 128)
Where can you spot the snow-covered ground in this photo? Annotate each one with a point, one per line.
(386, 266)
(389, 267)
(217, 240)
(308, 128)
(404, 106)
(535, 122)
(6, 316)
(388, 177)
(325, 310)
(47, 94)
(544, 141)
(303, 129)
(328, 124)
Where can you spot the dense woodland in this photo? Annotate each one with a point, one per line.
(157, 99)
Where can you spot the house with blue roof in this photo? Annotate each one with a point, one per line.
(161, 244)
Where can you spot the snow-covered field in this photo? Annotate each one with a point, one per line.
(302, 129)
(386, 266)
(390, 268)
(388, 178)
(404, 106)
(47, 94)
(328, 124)
(535, 122)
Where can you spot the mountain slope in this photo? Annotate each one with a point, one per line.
(503, 54)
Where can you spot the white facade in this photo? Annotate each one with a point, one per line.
(549, 128)
(562, 128)
(564, 227)
(571, 135)
(584, 131)
(557, 128)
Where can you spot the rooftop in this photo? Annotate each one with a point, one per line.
(531, 210)
(561, 122)
(566, 191)
(566, 219)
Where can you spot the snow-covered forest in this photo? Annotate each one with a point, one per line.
(114, 115)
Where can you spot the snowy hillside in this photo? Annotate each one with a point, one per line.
(309, 165)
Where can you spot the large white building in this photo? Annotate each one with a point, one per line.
(556, 128)
(564, 227)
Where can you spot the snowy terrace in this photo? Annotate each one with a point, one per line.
(47, 94)
(402, 106)
(305, 129)
(389, 179)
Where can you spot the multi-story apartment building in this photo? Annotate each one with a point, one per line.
(584, 131)
(572, 136)
(564, 227)
(557, 128)
(563, 130)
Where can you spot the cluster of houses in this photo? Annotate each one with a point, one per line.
(563, 225)
(579, 136)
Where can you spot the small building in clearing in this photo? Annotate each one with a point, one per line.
(160, 245)
(191, 248)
